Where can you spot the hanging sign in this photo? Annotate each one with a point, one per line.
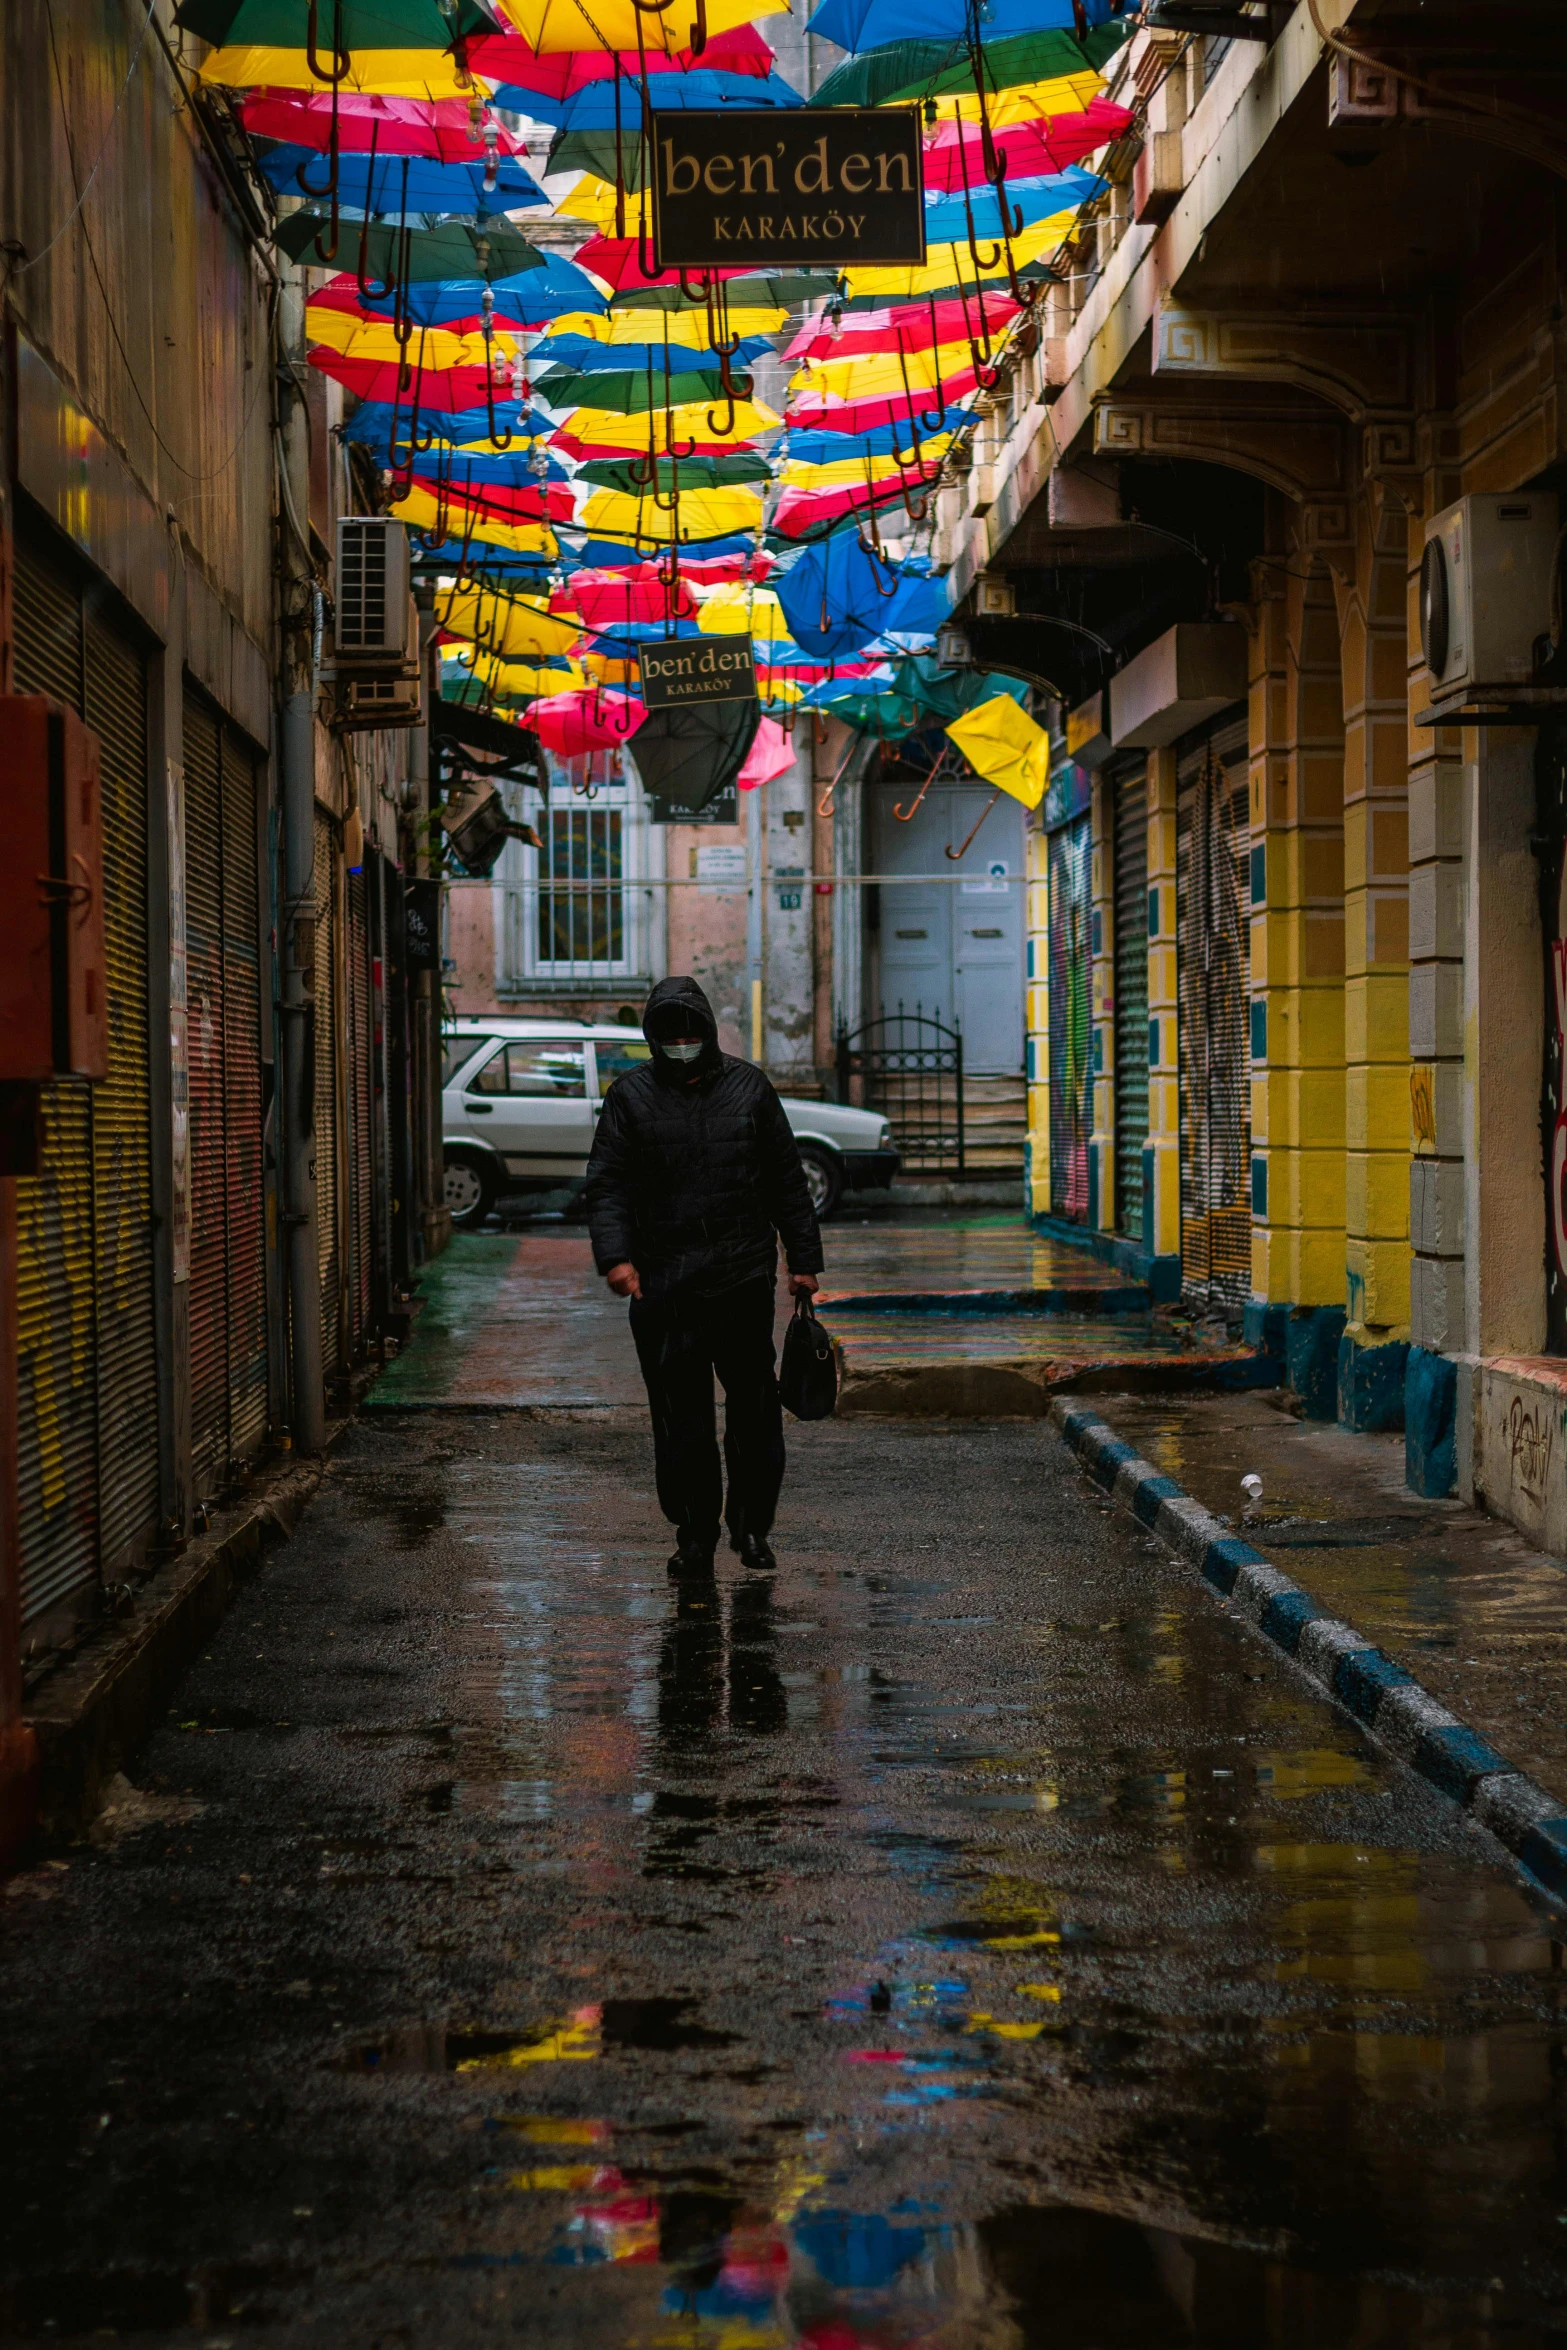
(823, 187)
(697, 669)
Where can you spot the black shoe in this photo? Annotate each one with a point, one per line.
(692, 1562)
(755, 1552)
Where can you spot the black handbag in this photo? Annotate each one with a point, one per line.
(808, 1379)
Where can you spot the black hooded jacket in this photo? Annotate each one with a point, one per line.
(689, 1182)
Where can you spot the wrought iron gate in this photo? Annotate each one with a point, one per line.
(909, 1066)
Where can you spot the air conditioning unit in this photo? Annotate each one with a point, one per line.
(1485, 595)
(375, 625)
(358, 701)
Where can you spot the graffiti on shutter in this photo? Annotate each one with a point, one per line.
(57, 1398)
(1131, 999)
(1071, 854)
(1214, 957)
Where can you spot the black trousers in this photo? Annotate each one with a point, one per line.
(681, 1341)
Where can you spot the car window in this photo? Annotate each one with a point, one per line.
(537, 1067)
(456, 1050)
(616, 1055)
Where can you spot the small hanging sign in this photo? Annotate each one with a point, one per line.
(813, 187)
(697, 669)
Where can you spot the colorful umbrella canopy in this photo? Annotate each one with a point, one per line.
(1002, 743)
(350, 24)
(476, 254)
(626, 391)
(506, 624)
(526, 76)
(954, 155)
(691, 473)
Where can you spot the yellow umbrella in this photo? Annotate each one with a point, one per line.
(735, 609)
(688, 327)
(948, 265)
(1001, 742)
(879, 375)
(382, 73)
(1067, 94)
(848, 473)
(419, 510)
(521, 678)
(435, 347)
(613, 24)
(511, 625)
(605, 428)
(704, 514)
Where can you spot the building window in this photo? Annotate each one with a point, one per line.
(571, 909)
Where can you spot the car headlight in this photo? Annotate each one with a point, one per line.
(884, 1138)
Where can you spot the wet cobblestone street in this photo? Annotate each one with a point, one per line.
(975, 1936)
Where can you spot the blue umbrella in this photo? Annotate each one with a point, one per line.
(874, 24)
(371, 426)
(947, 218)
(615, 554)
(532, 298)
(592, 108)
(590, 358)
(838, 597)
(377, 184)
(831, 448)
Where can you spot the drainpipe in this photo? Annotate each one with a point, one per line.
(297, 946)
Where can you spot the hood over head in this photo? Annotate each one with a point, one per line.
(678, 1007)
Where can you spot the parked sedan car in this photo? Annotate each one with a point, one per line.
(521, 1098)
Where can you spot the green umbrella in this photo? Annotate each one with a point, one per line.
(454, 250)
(359, 24)
(938, 69)
(594, 151)
(757, 291)
(626, 391)
(692, 473)
(947, 693)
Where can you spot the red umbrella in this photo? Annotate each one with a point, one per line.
(342, 293)
(616, 261)
(496, 499)
(439, 129)
(507, 58)
(811, 412)
(1034, 150)
(569, 724)
(601, 598)
(440, 391)
(801, 513)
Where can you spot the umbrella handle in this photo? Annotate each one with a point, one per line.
(342, 62)
(365, 294)
(957, 855)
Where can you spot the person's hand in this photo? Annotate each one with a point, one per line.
(624, 1280)
(803, 1285)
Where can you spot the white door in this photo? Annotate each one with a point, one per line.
(530, 1100)
(953, 944)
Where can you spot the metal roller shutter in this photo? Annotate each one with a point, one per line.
(115, 707)
(360, 1159)
(1131, 1000)
(208, 1188)
(1071, 852)
(245, 1184)
(326, 993)
(1213, 945)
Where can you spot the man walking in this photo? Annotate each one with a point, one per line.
(693, 1171)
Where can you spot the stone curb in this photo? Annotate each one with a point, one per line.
(1381, 1695)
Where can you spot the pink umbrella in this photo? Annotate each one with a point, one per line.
(439, 129)
(507, 59)
(768, 756)
(588, 720)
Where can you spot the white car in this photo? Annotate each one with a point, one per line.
(521, 1098)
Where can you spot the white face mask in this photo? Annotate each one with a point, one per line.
(682, 1052)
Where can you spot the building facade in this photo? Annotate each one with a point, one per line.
(199, 1247)
(1295, 902)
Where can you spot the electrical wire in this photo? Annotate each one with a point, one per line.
(20, 268)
